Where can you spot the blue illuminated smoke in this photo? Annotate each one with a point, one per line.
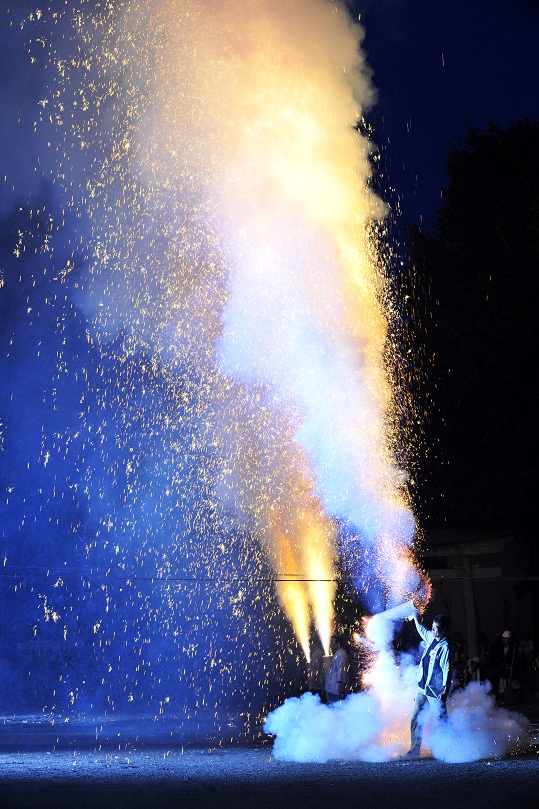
(120, 591)
(137, 466)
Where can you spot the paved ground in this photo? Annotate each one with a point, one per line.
(247, 778)
(89, 766)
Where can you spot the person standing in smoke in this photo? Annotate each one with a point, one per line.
(337, 678)
(435, 670)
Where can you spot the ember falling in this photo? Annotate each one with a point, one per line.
(201, 419)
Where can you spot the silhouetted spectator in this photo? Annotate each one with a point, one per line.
(473, 672)
(506, 681)
(526, 645)
(485, 656)
(337, 678)
(527, 656)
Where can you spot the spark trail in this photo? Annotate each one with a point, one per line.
(247, 151)
(237, 408)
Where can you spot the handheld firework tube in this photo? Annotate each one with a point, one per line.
(377, 628)
(406, 610)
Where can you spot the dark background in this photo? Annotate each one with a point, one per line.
(439, 67)
(457, 125)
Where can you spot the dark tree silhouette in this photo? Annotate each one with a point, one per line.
(474, 297)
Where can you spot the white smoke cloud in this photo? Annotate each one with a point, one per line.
(211, 154)
(478, 728)
(374, 725)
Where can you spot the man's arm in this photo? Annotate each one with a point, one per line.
(423, 631)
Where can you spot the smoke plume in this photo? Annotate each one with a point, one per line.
(374, 725)
(196, 402)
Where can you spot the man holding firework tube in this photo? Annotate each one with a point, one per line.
(434, 678)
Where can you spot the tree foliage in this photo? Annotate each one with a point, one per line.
(474, 300)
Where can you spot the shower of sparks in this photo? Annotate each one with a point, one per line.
(230, 402)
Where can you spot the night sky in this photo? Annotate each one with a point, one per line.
(439, 67)
(436, 67)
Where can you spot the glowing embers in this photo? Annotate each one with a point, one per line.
(233, 304)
